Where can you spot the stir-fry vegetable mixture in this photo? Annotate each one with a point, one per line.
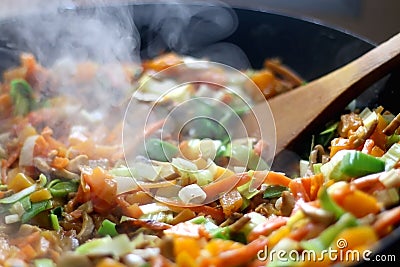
(67, 196)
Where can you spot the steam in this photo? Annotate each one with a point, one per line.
(62, 37)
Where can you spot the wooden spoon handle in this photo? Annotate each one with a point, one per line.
(297, 110)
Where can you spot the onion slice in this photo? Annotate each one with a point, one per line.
(26, 155)
(192, 194)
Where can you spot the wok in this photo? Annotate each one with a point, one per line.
(309, 48)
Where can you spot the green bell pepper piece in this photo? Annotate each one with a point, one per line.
(356, 164)
(107, 228)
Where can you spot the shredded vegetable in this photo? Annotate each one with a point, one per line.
(70, 194)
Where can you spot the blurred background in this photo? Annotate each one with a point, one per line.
(374, 20)
(371, 19)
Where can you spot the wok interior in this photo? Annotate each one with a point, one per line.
(308, 48)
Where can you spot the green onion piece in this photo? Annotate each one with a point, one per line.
(107, 227)
(36, 208)
(274, 191)
(43, 263)
(245, 204)
(328, 204)
(198, 220)
(326, 136)
(42, 180)
(26, 202)
(245, 155)
(52, 183)
(17, 196)
(392, 156)
(122, 171)
(329, 234)
(54, 222)
(221, 233)
(356, 164)
(116, 246)
(62, 189)
(22, 96)
(317, 168)
(159, 150)
(57, 211)
(393, 139)
(207, 222)
(246, 191)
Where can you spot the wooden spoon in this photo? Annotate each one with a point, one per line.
(300, 109)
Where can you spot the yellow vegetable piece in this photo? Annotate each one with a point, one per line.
(355, 237)
(217, 246)
(222, 173)
(353, 242)
(231, 202)
(277, 235)
(321, 260)
(187, 245)
(185, 260)
(108, 262)
(40, 195)
(360, 204)
(19, 182)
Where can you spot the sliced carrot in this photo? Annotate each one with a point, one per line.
(367, 182)
(5, 104)
(41, 148)
(265, 229)
(386, 220)
(59, 162)
(368, 145)
(377, 151)
(28, 252)
(275, 178)
(162, 62)
(316, 183)
(133, 211)
(224, 184)
(237, 256)
(297, 188)
(103, 189)
(26, 239)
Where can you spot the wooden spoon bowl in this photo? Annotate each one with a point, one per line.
(300, 110)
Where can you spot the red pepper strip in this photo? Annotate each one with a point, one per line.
(265, 229)
(237, 257)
